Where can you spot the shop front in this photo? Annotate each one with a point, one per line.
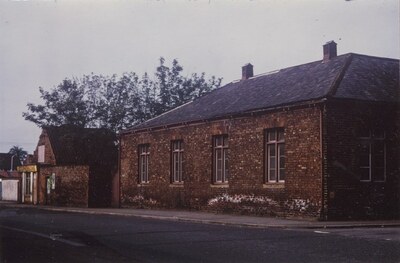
(29, 191)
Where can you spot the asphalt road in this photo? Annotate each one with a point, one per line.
(33, 235)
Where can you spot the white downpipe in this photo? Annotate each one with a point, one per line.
(23, 187)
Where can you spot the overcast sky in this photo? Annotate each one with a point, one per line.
(43, 42)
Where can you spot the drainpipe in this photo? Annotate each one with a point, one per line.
(119, 171)
(323, 145)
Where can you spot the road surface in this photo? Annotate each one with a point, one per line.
(34, 235)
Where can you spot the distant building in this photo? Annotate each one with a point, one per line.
(319, 140)
(72, 166)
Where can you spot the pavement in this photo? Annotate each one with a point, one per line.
(212, 218)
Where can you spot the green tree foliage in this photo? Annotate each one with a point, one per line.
(19, 152)
(118, 102)
(64, 104)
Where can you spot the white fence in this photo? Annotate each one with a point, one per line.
(9, 190)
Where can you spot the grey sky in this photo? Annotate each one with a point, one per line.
(43, 42)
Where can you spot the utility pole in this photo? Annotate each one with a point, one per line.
(12, 162)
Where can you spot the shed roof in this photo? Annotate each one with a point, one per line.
(73, 145)
(349, 76)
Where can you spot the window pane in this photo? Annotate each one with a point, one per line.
(379, 147)
(271, 136)
(282, 162)
(226, 165)
(275, 155)
(364, 154)
(364, 160)
(281, 149)
(281, 174)
(272, 176)
(180, 168)
(271, 150)
(281, 135)
(218, 141)
(272, 162)
(225, 140)
(176, 168)
(378, 174)
(218, 157)
(379, 134)
(364, 133)
(220, 162)
(146, 175)
(364, 174)
(378, 161)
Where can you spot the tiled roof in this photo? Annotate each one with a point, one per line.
(76, 145)
(370, 78)
(349, 76)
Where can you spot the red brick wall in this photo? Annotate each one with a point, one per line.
(71, 188)
(299, 195)
(349, 198)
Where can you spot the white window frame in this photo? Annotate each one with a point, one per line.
(220, 148)
(370, 140)
(177, 161)
(275, 142)
(144, 154)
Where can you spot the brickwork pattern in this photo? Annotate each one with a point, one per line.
(246, 164)
(348, 197)
(71, 186)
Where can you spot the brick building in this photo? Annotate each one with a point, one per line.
(318, 140)
(72, 166)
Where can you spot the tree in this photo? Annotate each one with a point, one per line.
(64, 104)
(19, 152)
(118, 102)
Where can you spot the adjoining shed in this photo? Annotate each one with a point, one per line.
(318, 140)
(73, 166)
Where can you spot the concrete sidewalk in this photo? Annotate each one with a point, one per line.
(211, 218)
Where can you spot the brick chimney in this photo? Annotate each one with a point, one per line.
(247, 71)
(330, 50)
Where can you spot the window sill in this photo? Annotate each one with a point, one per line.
(279, 185)
(176, 184)
(143, 184)
(219, 185)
